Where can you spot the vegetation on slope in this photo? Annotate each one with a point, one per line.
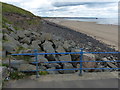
(19, 18)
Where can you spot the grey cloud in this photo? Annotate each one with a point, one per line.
(92, 4)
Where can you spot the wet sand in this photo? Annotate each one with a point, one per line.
(107, 34)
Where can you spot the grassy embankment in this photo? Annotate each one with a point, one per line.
(19, 18)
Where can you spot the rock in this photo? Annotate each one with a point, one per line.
(99, 66)
(57, 38)
(11, 39)
(110, 64)
(68, 66)
(9, 47)
(4, 53)
(67, 46)
(41, 67)
(89, 57)
(5, 73)
(10, 27)
(57, 43)
(32, 37)
(26, 40)
(35, 33)
(60, 49)
(4, 30)
(15, 36)
(51, 57)
(46, 36)
(25, 46)
(107, 70)
(47, 46)
(26, 67)
(53, 65)
(35, 47)
(71, 43)
(20, 33)
(14, 63)
(75, 57)
(41, 59)
(27, 51)
(27, 33)
(35, 44)
(65, 58)
(52, 72)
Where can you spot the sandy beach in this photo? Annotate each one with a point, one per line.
(104, 33)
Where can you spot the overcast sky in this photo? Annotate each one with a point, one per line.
(69, 8)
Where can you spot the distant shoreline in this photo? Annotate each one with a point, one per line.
(106, 21)
(107, 34)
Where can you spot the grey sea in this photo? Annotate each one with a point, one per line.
(112, 21)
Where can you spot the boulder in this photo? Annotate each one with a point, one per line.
(52, 72)
(57, 38)
(35, 33)
(68, 66)
(60, 49)
(32, 37)
(67, 46)
(26, 40)
(9, 47)
(35, 47)
(41, 67)
(57, 43)
(35, 44)
(75, 57)
(11, 39)
(41, 59)
(26, 67)
(8, 37)
(27, 33)
(71, 43)
(25, 46)
(46, 36)
(89, 57)
(4, 54)
(51, 57)
(5, 72)
(15, 36)
(27, 51)
(56, 65)
(47, 46)
(65, 58)
(5, 30)
(10, 27)
(21, 33)
(14, 63)
(110, 64)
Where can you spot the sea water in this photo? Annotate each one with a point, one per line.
(112, 21)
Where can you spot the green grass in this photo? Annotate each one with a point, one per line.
(4, 65)
(43, 72)
(7, 8)
(26, 58)
(10, 14)
(17, 75)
